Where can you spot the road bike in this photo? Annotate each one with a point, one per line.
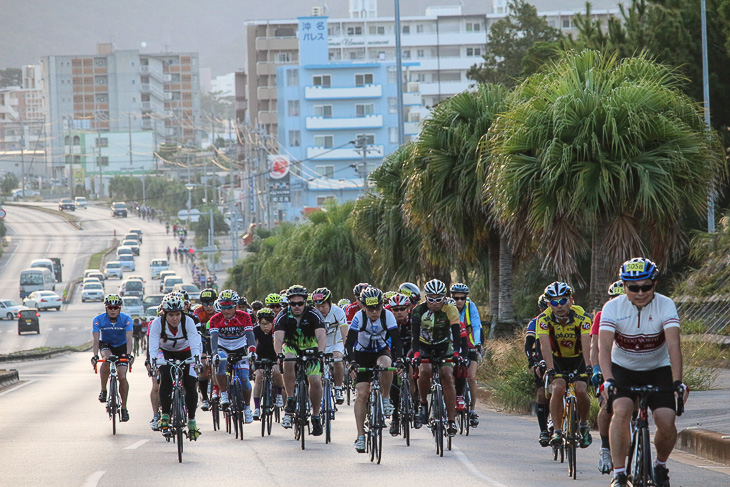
(571, 432)
(437, 406)
(349, 387)
(300, 419)
(179, 413)
(329, 407)
(462, 414)
(375, 420)
(269, 411)
(234, 412)
(407, 408)
(114, 400)
(639, 466)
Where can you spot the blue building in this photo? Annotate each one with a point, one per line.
(329, 114)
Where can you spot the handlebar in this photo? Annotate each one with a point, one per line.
(376, 369)
(648, 390)
(114, 359)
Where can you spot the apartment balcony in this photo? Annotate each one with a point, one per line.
(268, 117)
(323, 153)
(264, 68)
(411, 128)
(277, 44)
(412, 99)
(367, 122)
(146, 105)
(320, 93)
(266, 92)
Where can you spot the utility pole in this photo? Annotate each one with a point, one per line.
(22, 158)
(706, 92)
(99, 190)
(129, 124)
(362, 143)
(399, 75)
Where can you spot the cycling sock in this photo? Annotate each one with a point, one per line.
(583, 424)
(604, 442)
(657, 463)
(617, 471)
(542, 416)
(203, 385)
(315, 418)
(257, 402)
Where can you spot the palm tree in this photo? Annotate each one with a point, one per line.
(601, 149)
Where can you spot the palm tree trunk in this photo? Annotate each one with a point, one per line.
(506, 306)
(600, 271)
(493, 248)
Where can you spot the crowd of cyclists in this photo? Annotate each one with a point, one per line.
(633, 341)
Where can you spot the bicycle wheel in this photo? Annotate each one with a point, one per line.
(372, 414)
(645, 460)
(113, 405)
(348, 386)
(406, 410)
(467, 400)
(295, 419)
(265, 403)
(571, 439)
(215, 411)
(379, 426)
(327, 414)
(178, 420)
(302, 410)
(438, 418)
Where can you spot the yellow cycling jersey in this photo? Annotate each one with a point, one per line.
(564, 339)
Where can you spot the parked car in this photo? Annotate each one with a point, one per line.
(132, 244)
(66, 204)
(152, 300)
(170, 282)
(43, 300)
(92, 291)
(28, 320)
(113, 269)
(192, 290)
(119, 208)
(157, 266)
(81, 202)
(138, 232)
(132, 288)
(127, 262)
(9, 308)
(132, 306)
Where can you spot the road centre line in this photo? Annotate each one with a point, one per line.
(136, 445)
(93, 479)
(474, 470)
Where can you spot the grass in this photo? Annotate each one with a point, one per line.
(95, 259)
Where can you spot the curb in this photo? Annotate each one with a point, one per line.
(704, 443)
(23, 357)
(8, 377)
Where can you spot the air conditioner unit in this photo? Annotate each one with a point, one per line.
(414, 117)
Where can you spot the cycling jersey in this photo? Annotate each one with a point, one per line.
(371, 336)
(235, 333)
(350, 311)
(201, 314)
(175, 341)
(532, 345)
(300, 336)
(564, 338)
(113, 334)
(431, 328)
(596, 324)
(469, 315)
(639, 340)
(264, 343)
(332, 323)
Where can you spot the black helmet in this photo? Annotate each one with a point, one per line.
(296, 290)
(208, 295)
(321, 295)
(359, 288)
(371, 296)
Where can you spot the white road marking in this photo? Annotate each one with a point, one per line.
(50, 329)
(15, 388)
(63, 328)
(136, 445)
(474, 470)
(93, 479)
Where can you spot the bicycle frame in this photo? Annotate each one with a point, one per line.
(301, 393)
(179, 416)
(437, 405)
(114, 400)
(571, 435)
(375, 421)
(235, 393)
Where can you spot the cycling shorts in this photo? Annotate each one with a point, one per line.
(313, 367)
(566, 365)
(660, 377)
(442, 349)
(118, 351)
(368, 359)
(223, 355)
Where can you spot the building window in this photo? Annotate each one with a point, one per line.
(292, 77)
(325, 81)
(406, 54)
(363, 79)
(102, 142)
(567, 23)
(326, 141)
(364, 110)
(377, 30)
(419, 29)
(327, 171)
(295, 138)
(473, 27)
(392, 104)
(393, 135)
(392, 74)
(450, 75)
(354, 31)
(322, 200)
(324, 111)
(406, 29)
(282, 57)
(369, 138)
(293, 108)
(473, 51)
(420, 52)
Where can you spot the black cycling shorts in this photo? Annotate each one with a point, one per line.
(661, 377)
(368, 359)
(566, 365)
(118, 351)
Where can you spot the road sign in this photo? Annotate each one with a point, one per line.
(2, 213)
(193, 215)
(278, 166)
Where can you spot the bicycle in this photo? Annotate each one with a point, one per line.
(179, 416)
(571, 433)
(375, 420)
(329, 406)
(437, 406)
(462, 414)
(407, 409)
(114, 400)
(349, 387)
(269, 411)
(639, 466)
(234, 412)
(300, 419)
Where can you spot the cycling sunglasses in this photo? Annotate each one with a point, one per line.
(435, 300)
(113, 308)
(374, 308)
(401, 308)
(555, 302)
(635, 288)
(229, 305)
(297, 303)
(462, 298)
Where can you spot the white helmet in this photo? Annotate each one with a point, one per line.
(434, 286)
(173, 302)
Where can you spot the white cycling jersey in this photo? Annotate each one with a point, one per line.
(332, 323)
(639, 341)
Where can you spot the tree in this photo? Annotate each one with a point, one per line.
(8, 183)
(601, 150)
(508, 41)
(11, 77)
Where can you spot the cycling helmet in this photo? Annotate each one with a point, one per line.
(113, 300)
(322, 295)
(459, 288)
(371, 296)
(557, 289)
(266, 313)
(389, 294)
(411, 290)
(217, 306)
(434, 286)
(296, 290)
(616, 289)
(173, 302)
(310, 301)
(185, 296)
(257, 305)
(272, 298)
(242, 302)
(228, 296)
(208, 296)
(359, 288)
(450, 301)
(542, 302)
(399, 300)
(638, 269)
(343, 303)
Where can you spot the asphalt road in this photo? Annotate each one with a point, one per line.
(54, 432)
(35, 234)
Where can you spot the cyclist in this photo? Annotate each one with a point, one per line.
(367, 345)
(433, 325)
(343, 303)
(265, 349)
(335, 325)
(639, 345)
(413, 292)
(231, 332)
(352, 309)
(137, 333)
(605, 464)
(204, 313)
(536, 365)
(564, 334)
(469, 315)
(399, 304)
(256, 306)
(273, 302)
(112, 334)
(174, 337)
(297, 329)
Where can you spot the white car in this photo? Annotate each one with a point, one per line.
(92, 291)
(43, 300)
(113, 269)
(93, 279)
(132, 306)
(81, 202)
(157, 266)
(192, 290)
(127, 262)
(9, 309)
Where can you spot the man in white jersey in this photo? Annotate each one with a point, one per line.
(639, 345)
(335, 325)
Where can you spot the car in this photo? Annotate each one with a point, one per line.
(132, 244)
(92, 279)
(124, 250)
(92, 291)
(9, 309)
(170, 282)
(28, 193)
(132, 236)
(113, 268)
(132, 306)
(43, 300)
(127, 262)
(66, 204)
(28, 320)
(88, 272)
(119, 209)
(138, 232)
(136, 277)
(132, 287)
(164, 274)
(81, 202)
(99, 275)
(152, 300)
(157, 266)
(151, 313)
(192, 290)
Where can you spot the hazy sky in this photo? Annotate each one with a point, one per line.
(30, 29)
